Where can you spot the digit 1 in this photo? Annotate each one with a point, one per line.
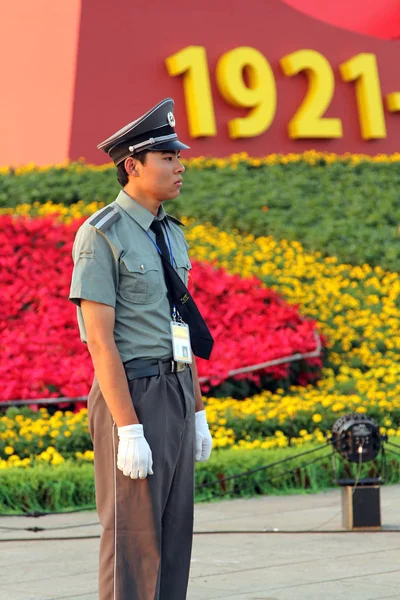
(191, 62)
(363, 69)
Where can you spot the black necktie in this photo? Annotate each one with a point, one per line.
(160, 239)
(201, 339)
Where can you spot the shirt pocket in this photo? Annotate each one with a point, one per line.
(140, 279)
(183, 266)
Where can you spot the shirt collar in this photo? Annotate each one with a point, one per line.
(142, 216)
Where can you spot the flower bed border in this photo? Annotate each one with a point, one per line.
(71, 486)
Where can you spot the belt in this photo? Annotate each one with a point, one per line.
(141, 367)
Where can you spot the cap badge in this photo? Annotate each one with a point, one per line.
(171, 119)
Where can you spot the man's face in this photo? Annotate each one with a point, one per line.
(160, 177)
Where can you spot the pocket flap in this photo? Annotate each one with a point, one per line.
(183, 262)
(140, 264)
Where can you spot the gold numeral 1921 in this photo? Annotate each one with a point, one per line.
(245, 80)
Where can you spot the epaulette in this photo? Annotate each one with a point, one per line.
(105, 219)
(175, 220)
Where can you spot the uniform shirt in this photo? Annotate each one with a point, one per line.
(116, 263)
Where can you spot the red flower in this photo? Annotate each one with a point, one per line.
(42, 355)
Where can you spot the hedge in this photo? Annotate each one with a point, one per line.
(68, 486)
(343, 209)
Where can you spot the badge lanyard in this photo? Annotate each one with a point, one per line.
(175, 313)
(179, 330)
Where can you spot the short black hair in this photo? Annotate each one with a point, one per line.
(122, 175)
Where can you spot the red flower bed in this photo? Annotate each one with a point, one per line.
(250, 325)
(42, 355)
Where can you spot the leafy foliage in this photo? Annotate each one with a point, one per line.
(343, 209)
(71, 485)
(42, 355)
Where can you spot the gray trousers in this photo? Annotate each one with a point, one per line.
(146, 543)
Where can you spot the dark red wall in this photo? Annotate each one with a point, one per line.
(121, 71)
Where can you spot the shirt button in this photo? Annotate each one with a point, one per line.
(142, 267)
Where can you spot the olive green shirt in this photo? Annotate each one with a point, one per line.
(116, 263)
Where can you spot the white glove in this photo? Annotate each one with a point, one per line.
(134, 454)
(203, 437)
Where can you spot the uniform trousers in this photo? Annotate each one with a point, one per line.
(146, 542)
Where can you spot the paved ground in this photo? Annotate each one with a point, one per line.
(262, 565)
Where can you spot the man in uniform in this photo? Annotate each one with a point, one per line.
(146, 414)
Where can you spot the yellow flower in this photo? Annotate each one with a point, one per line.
(57, 459)
(9, 450)
(45, 456)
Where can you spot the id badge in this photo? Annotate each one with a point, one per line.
(181, 342)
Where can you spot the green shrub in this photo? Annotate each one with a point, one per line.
(68, 486)
(46, 488)
(351, 212)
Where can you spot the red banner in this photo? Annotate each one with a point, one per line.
(260, 77)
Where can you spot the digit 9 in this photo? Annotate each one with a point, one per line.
(259, 95)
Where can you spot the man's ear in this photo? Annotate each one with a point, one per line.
(131, 166)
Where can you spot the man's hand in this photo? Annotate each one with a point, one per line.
(134, 454)
(203, 437)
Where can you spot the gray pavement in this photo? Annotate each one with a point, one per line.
(242, 551)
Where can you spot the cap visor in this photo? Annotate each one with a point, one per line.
(166, 146)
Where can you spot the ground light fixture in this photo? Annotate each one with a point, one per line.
(357, 439)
